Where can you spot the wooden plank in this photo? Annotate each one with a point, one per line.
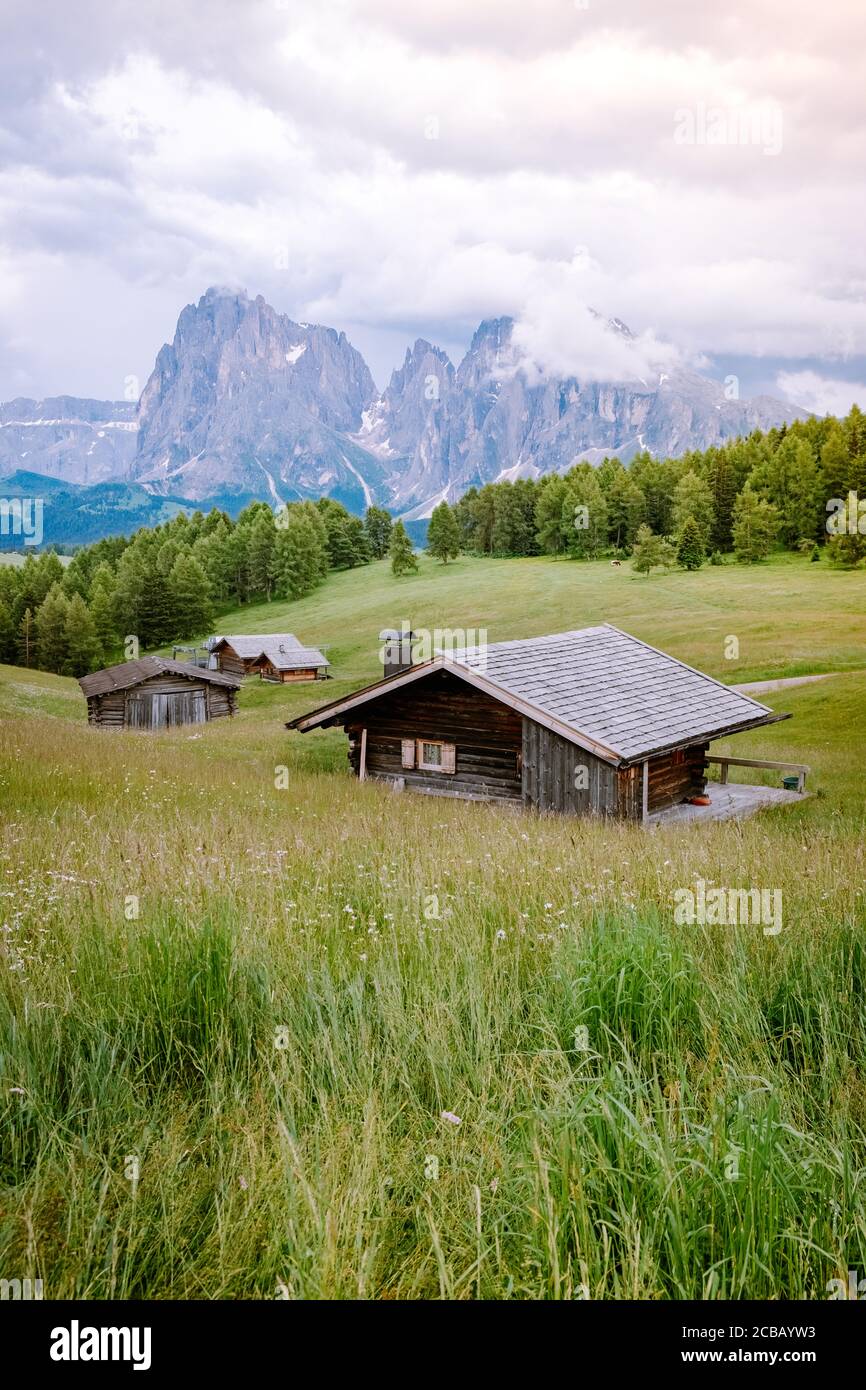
(761, 762)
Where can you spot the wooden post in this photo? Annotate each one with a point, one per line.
(362, 768)
(645, 793)
(723, 774)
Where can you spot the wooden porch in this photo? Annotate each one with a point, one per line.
(736, 800)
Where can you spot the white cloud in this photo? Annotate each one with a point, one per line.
(153, 150)
(823, 395)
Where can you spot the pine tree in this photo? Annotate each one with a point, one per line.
(584, 514)
(103, 609)
(693, 500)
(626, 508)
(342, 546)
(651, 552)
(835, 463)
(526, 491)
(722, 483)
(358, 542)
(377, 524)
(657, 482)
(50, 625)
(190, 598)
(548, 514)
(755, 526)
(484, 510)
(403, 558)
(846, 551)
(443, 535)
(27, 639)
(156, 622)
(7, 634)
(690, 545)
(261, 549)
(299, 554)
(467, 521)
(507, 520)
(83, 651)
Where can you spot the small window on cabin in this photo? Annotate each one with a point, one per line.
(436, 757)
(431, 755)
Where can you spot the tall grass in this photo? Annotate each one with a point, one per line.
(645, 1110)
(234, 1022)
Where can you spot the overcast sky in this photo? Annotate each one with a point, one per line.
(401, 170)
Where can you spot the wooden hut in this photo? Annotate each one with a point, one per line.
(155, 693)
(592, 721)
(277, 656)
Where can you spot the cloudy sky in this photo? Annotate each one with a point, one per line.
(401, 170)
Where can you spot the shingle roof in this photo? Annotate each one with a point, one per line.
(598, 686)
(282, 649)
(248, 648)
(130, 673)
(294, 658)
(622, 693)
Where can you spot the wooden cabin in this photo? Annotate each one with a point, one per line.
(591, 721)
(277, 656)
(155, 693)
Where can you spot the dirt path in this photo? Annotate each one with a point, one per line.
(755, 687)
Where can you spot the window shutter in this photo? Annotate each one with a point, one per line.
(408, 752)
(449, 757)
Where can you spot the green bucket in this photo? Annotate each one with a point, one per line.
(792, 783)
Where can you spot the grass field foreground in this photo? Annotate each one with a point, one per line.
(240, 1024)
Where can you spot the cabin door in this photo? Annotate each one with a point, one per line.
(157, 710)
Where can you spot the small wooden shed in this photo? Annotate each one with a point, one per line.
(155, 693)
(591, 721)
(277, 656)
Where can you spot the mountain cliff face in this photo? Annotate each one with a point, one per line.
(83, 442)
(490, 422)
(245, 402)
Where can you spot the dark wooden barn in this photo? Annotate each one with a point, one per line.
(277, 656)
(592, 721)
(155, 693)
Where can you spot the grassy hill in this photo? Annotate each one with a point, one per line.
(791, 617)
(270, 998)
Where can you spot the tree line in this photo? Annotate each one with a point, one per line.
(746, 497)
(167, 584)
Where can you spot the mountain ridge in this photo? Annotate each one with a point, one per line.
(244, 400)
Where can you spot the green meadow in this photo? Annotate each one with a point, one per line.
(329, 1041)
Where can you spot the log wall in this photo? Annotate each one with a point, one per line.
(487, 735)
(116, 709)
(229, 661)
(268, 672)
(503, 756)
(560, 776)
(676, 776)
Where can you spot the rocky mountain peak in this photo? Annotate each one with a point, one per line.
(245, 402)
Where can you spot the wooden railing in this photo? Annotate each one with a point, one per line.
(724, 763)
